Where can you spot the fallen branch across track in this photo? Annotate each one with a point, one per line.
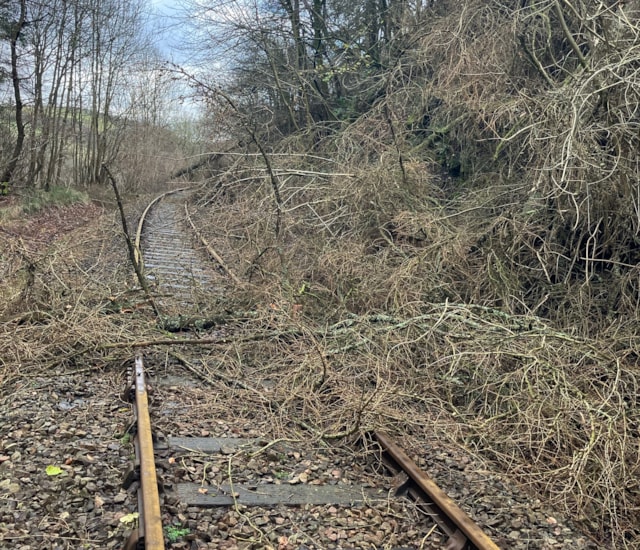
(462, 532)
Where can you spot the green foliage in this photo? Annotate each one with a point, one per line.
(175, 532)
(56, 196)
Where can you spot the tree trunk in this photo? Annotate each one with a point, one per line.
(7, 175)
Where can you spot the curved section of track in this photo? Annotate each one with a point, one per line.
(172, 264)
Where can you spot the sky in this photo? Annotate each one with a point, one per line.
(171, 37)
(167, 29)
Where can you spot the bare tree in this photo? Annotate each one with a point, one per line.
(70, 63)
(14, 27)
(115, 38)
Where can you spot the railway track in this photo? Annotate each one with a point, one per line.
(179, 274)
(459, 530)
(171, 263)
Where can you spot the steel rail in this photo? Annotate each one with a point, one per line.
(449, 516)
(149, 534)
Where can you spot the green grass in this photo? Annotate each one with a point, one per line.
(175, 532)
(37, 200)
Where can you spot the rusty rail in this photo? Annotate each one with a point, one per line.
(462, 531)
(149, 534)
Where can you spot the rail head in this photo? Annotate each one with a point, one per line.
(150, 518)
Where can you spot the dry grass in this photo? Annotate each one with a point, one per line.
(62, 296)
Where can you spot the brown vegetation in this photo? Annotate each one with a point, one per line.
(469, 241)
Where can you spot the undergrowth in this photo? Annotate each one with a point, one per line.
(38, 199)
(33, 201)
(468, 247)
(413, 306)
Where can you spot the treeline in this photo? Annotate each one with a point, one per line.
(80, 87)
(300, 63)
